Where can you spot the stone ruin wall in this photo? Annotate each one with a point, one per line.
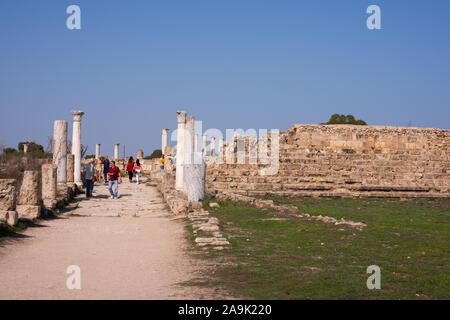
(346, 160)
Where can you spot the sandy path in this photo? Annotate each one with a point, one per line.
(130, 248)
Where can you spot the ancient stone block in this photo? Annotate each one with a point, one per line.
(48, 185)
(28, 212)
(7, 194)
(30, 190)
(9, 217)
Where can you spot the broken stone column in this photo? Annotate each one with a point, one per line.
(8, 194)
(48, 185)
(60, 150)
(181, 119)
(97, 151)
(116, 151)
(165, 134)
(195, 181)
(140, 154)
(70, 169)
(29, 200)
(8, 212)
(76, 146)
(25, 148)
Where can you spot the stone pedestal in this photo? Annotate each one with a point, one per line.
(181, 119)
(28, 212)
(76, 146)
(48, 184)
(195, 181)
(60, 149)
(8, 194)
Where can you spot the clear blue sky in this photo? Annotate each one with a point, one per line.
(231, 63)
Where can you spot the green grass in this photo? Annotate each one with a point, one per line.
(275, 256)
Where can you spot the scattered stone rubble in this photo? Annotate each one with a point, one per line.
(269, 204)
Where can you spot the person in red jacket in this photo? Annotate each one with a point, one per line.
(114, 179)
(130, 168)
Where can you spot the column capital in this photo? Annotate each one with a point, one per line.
(77, 114)
(116, 144)
(181, 116)
(165, 130)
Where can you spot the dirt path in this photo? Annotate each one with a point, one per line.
(129, 248)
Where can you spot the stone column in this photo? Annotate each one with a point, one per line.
(195, 142)
(181, 119)
(97, 151)
(29, 201)
(76, 146)
(165, 134)
(220, 151)
(213, 146)
(70, 169)
(140, 154)
(195, 175)
(204, 142)
(48, 185)
(116, 151)
(60, 150)
(189, 140)
(25, 148)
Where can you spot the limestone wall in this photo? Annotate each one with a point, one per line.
(346, 160)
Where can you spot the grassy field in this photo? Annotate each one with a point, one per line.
(275, 256)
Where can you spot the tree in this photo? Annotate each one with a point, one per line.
(344, 119)
(155, 154)
(33, 147)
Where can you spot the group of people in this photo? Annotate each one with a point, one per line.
(111, 174)
(134, 167)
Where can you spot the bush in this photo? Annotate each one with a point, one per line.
(90, 156)
(345, 119)
(155, 154)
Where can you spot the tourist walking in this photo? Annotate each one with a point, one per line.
(137, 170)
(114, 179)
(130, 168)
(90, 176)
(161, 162)
(105, 169)
(98, 168)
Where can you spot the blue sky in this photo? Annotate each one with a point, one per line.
(233, 64)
